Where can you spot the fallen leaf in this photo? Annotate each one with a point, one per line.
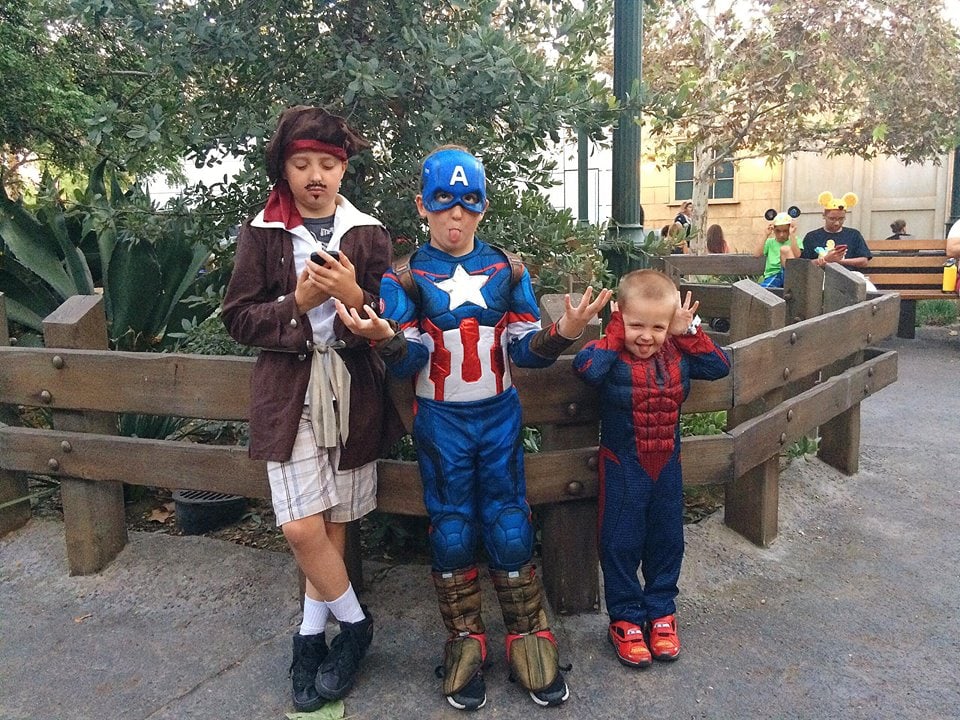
(331, 711)
(81, 618)
(160, 514)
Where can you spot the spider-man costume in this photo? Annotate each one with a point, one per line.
(470, 322)
(641, 484)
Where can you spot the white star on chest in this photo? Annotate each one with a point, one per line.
(463, 288)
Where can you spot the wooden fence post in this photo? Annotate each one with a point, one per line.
(751, 502)
(571, 561)
(93, 513)
(13, 485)
(840, 437)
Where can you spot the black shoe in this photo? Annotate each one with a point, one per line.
(309, 652)
(339, 671)
(472, 696)
(554, 694)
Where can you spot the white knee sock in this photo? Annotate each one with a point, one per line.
(315, 614)
(346, 608)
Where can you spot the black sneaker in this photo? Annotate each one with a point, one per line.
(340, 668)
(554, 694)
(472, 696)
(309, 652)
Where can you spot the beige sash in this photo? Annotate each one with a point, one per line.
(329, 394)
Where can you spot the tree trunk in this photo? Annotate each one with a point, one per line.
(702, 172)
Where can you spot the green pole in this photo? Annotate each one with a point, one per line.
(583, 192)
(626, 226)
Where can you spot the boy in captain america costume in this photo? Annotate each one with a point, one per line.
(651, 349)
(467, 314)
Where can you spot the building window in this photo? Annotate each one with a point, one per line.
(720, 189)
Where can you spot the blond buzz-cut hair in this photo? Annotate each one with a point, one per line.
(648, 285)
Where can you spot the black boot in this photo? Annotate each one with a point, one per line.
(339, 671)
(309, 652)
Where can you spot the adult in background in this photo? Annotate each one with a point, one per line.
(716, 242)
(899, 230)
(833, 242)
(953, 241)
(682, 228)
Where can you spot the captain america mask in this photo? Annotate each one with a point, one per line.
(453, 177)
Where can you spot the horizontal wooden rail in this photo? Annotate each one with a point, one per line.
(920, 262)
(552, 476)
(217, 388)
(765, 362)
(713, 264)
(136, 461)
(196, 386)
(766, 435)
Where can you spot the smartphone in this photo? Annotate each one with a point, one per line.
(315, 257)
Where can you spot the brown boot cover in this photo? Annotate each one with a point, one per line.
(462, 659)
(458, 593)
(531, 647)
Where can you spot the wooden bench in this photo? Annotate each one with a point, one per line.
(912, 267)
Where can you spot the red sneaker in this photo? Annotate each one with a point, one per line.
(628, 643)
(664, 643)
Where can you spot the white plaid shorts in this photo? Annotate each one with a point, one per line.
(309, 483)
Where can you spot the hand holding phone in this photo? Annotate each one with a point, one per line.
(316, 257)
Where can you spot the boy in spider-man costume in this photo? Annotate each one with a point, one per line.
(652, 347)
(467, 313)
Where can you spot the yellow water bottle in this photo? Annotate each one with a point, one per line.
(950, 275)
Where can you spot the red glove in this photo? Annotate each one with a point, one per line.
(613, 333)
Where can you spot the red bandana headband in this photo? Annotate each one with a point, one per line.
(295, 146)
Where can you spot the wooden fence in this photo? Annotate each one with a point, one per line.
(799, 362)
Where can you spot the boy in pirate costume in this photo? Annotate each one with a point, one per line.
(318, 412)
(468, 311)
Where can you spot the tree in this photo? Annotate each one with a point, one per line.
(202, 81)
(66, 78)
(151, 83)
(767, 79)
(501, 77)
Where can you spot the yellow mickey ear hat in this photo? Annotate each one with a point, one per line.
(829, 202)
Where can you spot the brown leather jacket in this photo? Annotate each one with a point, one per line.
(259, 310)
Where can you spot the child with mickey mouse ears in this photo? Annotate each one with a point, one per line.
(778, 244)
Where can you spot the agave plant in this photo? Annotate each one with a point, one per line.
(40, 261)
(108, 240)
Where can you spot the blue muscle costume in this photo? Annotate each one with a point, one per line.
(641, 484)
(461, 321)
(471, 322)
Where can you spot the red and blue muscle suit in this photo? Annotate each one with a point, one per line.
(641, 485)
